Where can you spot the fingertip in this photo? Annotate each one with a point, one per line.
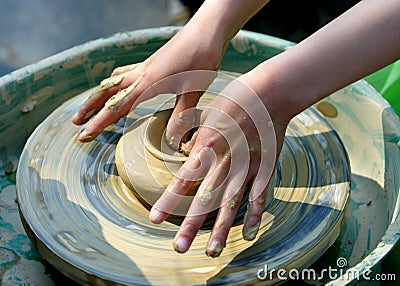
(250, 230)
(86, 137)
(214, 248)
(252, 218)
(77, 119)
(156, 216)
(181, 245)
(80, 117)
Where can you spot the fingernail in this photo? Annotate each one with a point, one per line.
(86, 136)
(214, 249)
(181, 245)
(250, 232)
(155, 216)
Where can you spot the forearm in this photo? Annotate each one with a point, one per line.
(361, 41)
(224, 18)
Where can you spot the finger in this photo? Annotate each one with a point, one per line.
(182, 118)
(103, 92)
(258, 194)
(206, 200)
(195, 168)
(108, 87)
(114, 108)
(187, 232)
(255, 209)
(229, 206)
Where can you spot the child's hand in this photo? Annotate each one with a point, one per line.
(234, 148)
(116, 95)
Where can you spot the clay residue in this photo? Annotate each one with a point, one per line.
(205, 195)
(216, 248)
(5, 96)
(98, 68)
(117, 100)
(249, 233)
(110, 82)
(75, 61)
(37, 98)
(231, 204)
(41, 74)
(221, 125)
(240, 44)
(327, 109)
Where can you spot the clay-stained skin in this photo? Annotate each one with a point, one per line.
(117, 100)
(110, 82)
(221, 125)
(205, 195)
(216, 248)
(232, 204)
(249, 233)
(90, 113)
(260, 201)
(184, 149)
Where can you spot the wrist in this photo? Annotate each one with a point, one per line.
(270, 83)
(224, 18)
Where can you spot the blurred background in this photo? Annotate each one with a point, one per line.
(31, 30)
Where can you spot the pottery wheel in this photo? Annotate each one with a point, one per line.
(88, 224)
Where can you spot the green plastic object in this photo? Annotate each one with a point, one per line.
(387, 82)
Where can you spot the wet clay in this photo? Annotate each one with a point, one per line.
(145, 161)
(78, 208)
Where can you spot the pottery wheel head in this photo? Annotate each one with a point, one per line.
(90, 224)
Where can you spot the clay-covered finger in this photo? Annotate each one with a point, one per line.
(117, 86)
(187, 232)
(205, 201)
(114, 108)
(107, 88)
(99, 122)
(230, 203)
(255, 209)
(169, 199)
(182, 118)
(195, 168)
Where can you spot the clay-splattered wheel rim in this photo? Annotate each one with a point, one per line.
(89, 225)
